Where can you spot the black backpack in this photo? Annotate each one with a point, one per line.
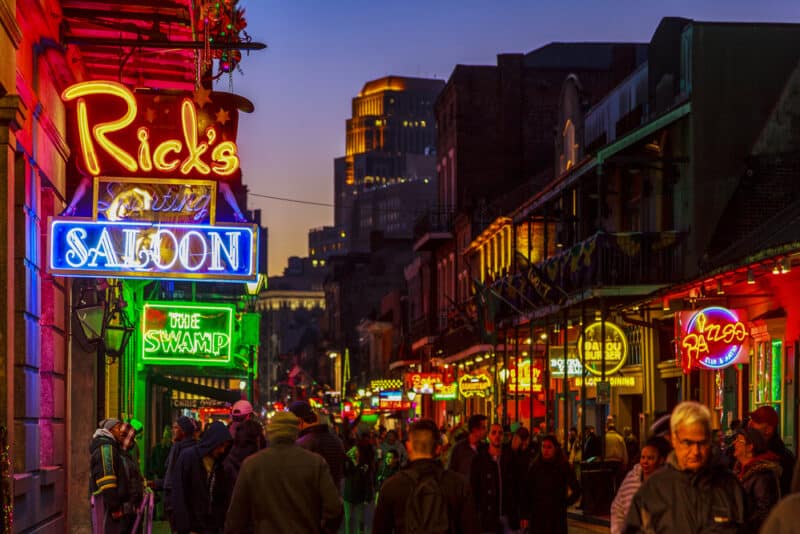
(426, 508)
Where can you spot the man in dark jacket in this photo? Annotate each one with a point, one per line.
(182, 438)
(592, 447)
(693, 493)
(765, 420)
(201, 493)
(317, 437)
(284, 488)
(494, 485)
(464, 451)
(390, 515)
(116, 485)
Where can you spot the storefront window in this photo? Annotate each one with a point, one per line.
(768, 372)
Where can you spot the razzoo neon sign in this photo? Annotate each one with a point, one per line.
(711, 338)
(195, 153)
(80, 247)
(186, 334)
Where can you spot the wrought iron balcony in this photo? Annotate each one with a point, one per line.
(432, 226)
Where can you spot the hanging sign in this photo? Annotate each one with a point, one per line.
(391, 400)
(422, 382)
(445, 391)
(591, 345)
(711, 338)
(224, 253)
(477, 385)
(522, 379)
(574, 367)
(186, 334)
(165, 200)
(190, 135)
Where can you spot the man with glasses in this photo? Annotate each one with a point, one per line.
(694, 492)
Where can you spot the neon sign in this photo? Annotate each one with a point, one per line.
(477, 385)
(80, 247)
(163, 200)
(186, 334)
(200, 150)
(574, 367)
(590, 348)
(422, 382)
(522, 378)
(712, 337)
(445, 391)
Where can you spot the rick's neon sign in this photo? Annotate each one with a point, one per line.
(712, 337)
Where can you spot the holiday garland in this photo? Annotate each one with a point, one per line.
(222, 22)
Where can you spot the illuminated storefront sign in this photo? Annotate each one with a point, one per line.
(445, 391)
(590, 348)
(133, 133)
(615, 381)
(711, 338)
(393, 400)
(520, 378)
(386, 383)
(80, 247)
(477, 385)
(574, 367)
(163, 200)
(186, 334)
(422, 382)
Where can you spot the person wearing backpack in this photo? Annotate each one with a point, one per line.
(424, 497)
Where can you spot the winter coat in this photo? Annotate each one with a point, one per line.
(592, 448)
(357, 482)
(114, 475)
(169, 476)
(200, 498)
(616, 450)
(785, 459)
(461, 456)
(233, 461)
(761, 481)
(622, 501)
(391, 510)
(672, 500)
(284, 488)
(551, 487)
(490, 482)
(783, 518)
(321, 440)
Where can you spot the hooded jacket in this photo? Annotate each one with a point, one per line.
(172, 460)
(114, 476)
(761, 480)
(200, 497)
(321, 440)
(673, 500)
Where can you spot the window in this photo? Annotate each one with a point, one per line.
(768, 373)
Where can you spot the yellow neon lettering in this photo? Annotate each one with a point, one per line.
(189, 120)
(144, 149)
(100, 130)
(160, 155)
(226, 161)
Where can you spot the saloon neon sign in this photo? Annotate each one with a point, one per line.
(80, 247)
(713, 338)
(193, 154)
(174, 333)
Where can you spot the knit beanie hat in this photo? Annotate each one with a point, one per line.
(186, 424)
(283, 428)
(108, 424)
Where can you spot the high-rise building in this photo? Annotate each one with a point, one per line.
(387, 176)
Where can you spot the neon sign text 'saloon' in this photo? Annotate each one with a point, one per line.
(204, 154)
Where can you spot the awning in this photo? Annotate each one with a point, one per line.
(224, 395)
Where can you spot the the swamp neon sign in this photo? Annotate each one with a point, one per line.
(123, 132)
(186, 334)
(80, 247)
(711, 338)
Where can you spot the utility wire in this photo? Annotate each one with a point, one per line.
(284, 199)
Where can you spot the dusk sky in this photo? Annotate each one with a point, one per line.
(320, 54)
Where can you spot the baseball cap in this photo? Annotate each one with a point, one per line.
(765, 415)
(302, 410)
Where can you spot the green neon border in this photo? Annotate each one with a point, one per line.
(165, 360)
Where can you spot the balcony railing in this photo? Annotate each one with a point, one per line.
(433, 222)
(603, 260)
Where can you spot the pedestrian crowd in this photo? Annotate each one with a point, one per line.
(300, 475)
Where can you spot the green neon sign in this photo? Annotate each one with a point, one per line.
(194, 333)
